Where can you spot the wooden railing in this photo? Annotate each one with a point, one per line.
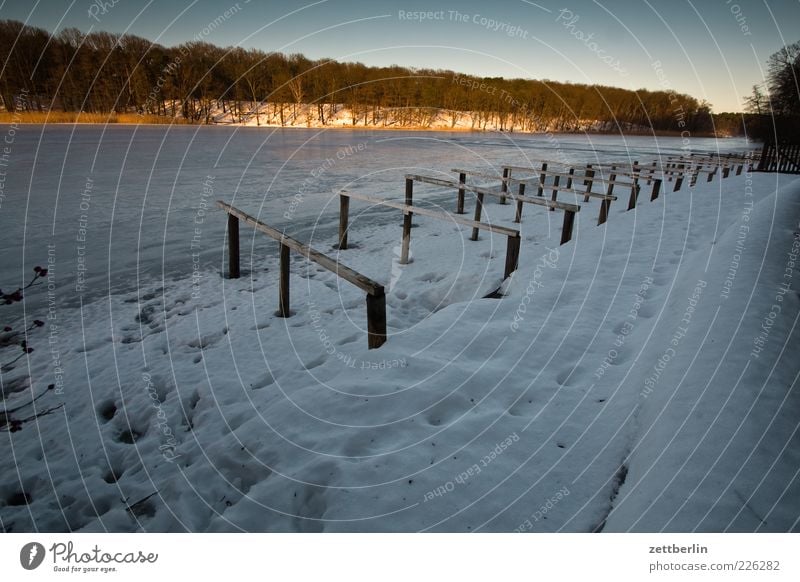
(784, 158)
(376, 297)
(569, 209)
(513, 237)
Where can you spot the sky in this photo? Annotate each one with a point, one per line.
(714, 50)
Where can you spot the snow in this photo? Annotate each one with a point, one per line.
(545, 410)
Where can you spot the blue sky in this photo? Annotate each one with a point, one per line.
(711, 49)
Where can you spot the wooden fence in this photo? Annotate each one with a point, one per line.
(569, 209)
(578, 181)
(783, 158)
(512, 242)
(376, 298)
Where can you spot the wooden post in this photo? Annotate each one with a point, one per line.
(555, 192)
(376, 319)
(407, 223)
(605, 206)
(762, 161)
(518, 217)
(566, 230)
(542, 180)
(344, 211)
(739, 169)
(569, 179)
(589, 182)
(679, 179)
(656, 188)
(233, 247)
(462, 179)
(693, 176)
(504, 186)
(478, 212)
(512, 255)
(726, 171)
(611, 179)
(283, 298)
(650, 174)
(634, 196)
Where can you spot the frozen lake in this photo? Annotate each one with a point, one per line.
(123, 204)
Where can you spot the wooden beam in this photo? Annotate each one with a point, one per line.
(487, 175)
(332, 265)
(433, 213)
(488, 192)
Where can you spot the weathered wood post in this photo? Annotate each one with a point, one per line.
(635, 188)
(569, 178)
(478, 213)
(762, 161)
(694, 175)
(283, 298)
(233, 246)
(344, 211)
(634, 195)
(462, 179)
(376, 319)
(512, 255)
(612, 177)
(652, 171)
(605, 206)
(504, 185)
(589, 182)
(726, 170)
(518, 217)
(566, 230)
(555, 192)
(679, 178)
(656, 189)
(407, 222)
(542, 180)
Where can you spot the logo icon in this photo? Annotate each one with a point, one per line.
(31, 555)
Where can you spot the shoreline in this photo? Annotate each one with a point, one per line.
(656, 133)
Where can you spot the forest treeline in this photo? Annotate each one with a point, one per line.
(101, 72)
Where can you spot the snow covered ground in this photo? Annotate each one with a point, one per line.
(339, 115)
(638, 378)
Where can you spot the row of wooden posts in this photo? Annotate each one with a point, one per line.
(579, 182)
(783, 158)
